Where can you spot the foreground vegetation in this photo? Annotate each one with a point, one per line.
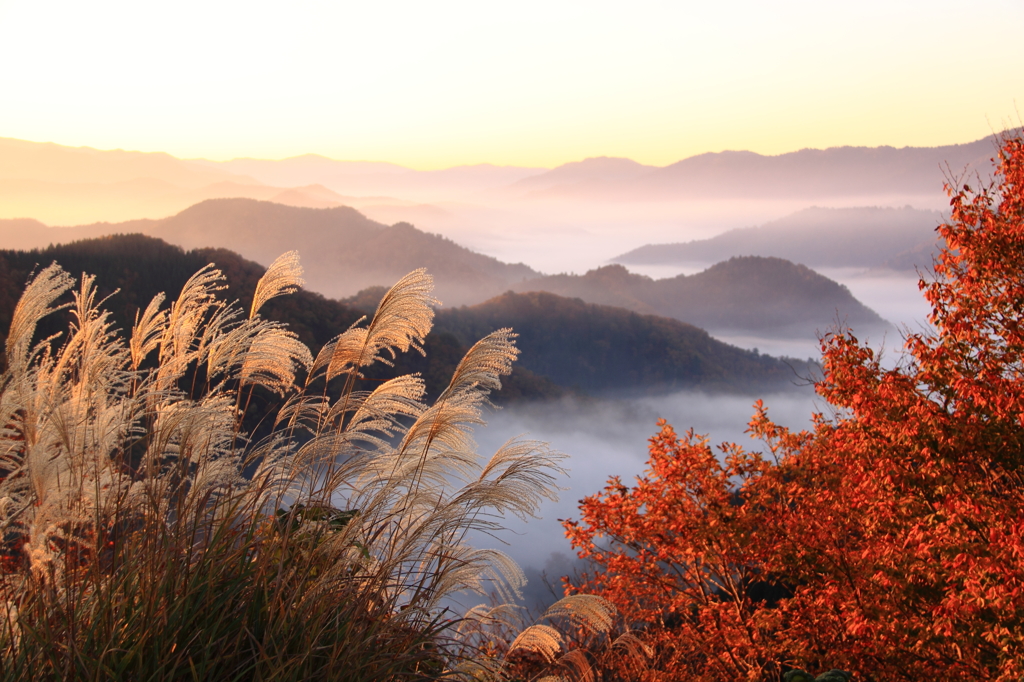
(149, 535)
(888, 540)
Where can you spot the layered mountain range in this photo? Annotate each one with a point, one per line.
(771, 297)
(866, 237)
(68, 185)
(345, 252)
(566, 344)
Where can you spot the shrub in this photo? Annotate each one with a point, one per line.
(889, 539)
(147, 536)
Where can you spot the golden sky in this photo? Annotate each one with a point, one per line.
(436, 84)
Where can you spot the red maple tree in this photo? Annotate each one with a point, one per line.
(888, 540)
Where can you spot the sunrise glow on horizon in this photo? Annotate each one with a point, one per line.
(530, 84)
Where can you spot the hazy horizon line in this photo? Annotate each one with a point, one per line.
(411, 168)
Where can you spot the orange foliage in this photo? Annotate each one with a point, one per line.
(889, 539)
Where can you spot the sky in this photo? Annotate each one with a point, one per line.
(432, 85)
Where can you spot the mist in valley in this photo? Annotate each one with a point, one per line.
(604, 437)
(608, 437)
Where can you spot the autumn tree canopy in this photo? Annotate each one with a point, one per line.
(888, 540)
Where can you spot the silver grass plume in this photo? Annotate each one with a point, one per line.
(284, 276)
(539, 638)
(149, 327)
(272, 358)
(80, 419)
(184, 322)
(425, 495)
(484, 364)
(592, 613)
(403, 319)
(445, 429)
(36, 303)
(380, 415)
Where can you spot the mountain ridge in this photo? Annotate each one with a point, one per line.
(344, 250)
(569, 340)
(866, 237)
(769, 297)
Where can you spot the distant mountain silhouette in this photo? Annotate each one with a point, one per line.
(54, 163)
(809, 174)
(62, 185)
(918, 258)
(817, 237)
(371, 177)
(564, 342)
(806, 174)
(343, 251)
(750, 295)
(603, 169)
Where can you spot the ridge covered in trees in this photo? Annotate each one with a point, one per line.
(603, 348)
(566, 344)
(763, 296)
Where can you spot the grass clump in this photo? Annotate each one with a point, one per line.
(157, 526)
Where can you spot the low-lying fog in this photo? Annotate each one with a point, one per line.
(573, 235)
(603, 438)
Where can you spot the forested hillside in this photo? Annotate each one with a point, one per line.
(600, 348)
(565, 344)
(139, 267)
(750, 295)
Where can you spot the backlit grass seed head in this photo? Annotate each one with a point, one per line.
(149, 327)
(284, 276)
(37, 301)
(403, 319)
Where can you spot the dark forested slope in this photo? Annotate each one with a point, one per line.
(750, 295)
(564, 342)
(139, 267)
(601, 348)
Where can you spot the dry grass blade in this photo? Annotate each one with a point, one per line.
(523, 472)
(284, 276)
(635, 647)
(577, 663)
